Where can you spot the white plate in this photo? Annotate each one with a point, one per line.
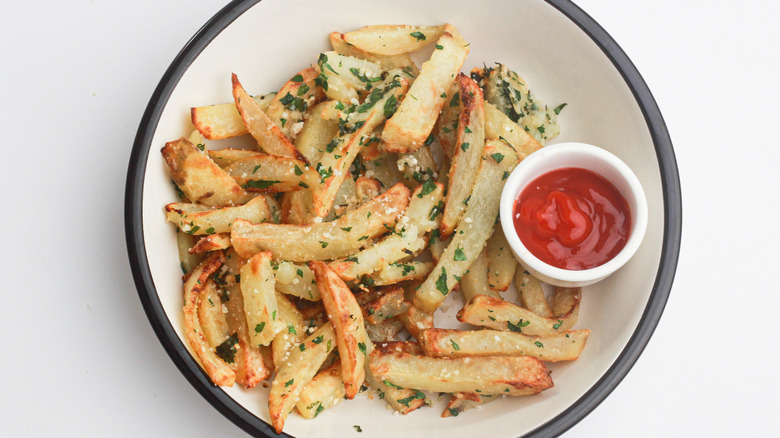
(564, 56)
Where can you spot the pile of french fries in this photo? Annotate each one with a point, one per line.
(317, 260)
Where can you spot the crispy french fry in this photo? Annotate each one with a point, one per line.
(198, 220)
(187, 260)
(514, 376)
(260, 306)
(334, 86)
(325, 390)
(499, 126)
(226, 157)
(217, 369)
(475, 281)
(397, 272)
(288, 106)
(390, 304)
(199, 178)
(407, 237)
(315, 134)
(297, 280)
(360, 74)
(347, 319)
(294, 375)
(415, 321)
(292, 334)
(470, 143)
(410, 126)
(387, 62)
(473, 231)
(269, 136)
(448, 121)
(323, 241)
(213, 322)
(501, 262)
(403, 400)
(459, 343)
(565, 299)
(222, 121)
(389, 40)
(462, 401)
(418, 166)
(498, 314)
(213, 242)
(270, 174)
(250, 366)
(531, 293)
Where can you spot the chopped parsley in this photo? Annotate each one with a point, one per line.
(558, 108)
(418, 35)
(259, 327)
(455, 346)
(441, 282)
(459, 256)
(259, 184)
(227, 350)
(517, 328)
(427, 187)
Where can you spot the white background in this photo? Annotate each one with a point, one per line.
(79, 357)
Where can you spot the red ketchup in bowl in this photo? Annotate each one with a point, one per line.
(572, 218)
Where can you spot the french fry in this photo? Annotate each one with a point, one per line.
(499, 126)
(226, 157)
(217, 369)
(323, 241)
(415, 321)
(462, 401)
(397, 272)
(407, 237)
(501, 262)
(475, 281)
(448, 121)
(222, 121)
(250, 366)
(334, 86)
(470, 143)
(565, 299)
(293, 333)
(410, 126)
(213, 242)
(360, 74)
(199, 220)
(213, 322)
(531, 293)
(288, 106)
(476, 225)
(269, 136)
(270, 174)
(387, 62)
(385, 331)
(315, 134)
(403, 400)
(390, 304)
(325, 390)
(468, 343)
(347, 319)
(389, 40)
(294, 375)
(418, 166)
(199, 178)
(260, 306)
(498, 314)
(514, 376)
(334, 165)
(187, 260)
(297, 280)
(367, 188)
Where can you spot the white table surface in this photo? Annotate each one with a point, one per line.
(80, 358)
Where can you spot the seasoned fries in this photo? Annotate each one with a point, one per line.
(315, 262)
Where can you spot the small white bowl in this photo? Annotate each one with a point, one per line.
(583, 156)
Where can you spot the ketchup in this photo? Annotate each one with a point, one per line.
(572, 219)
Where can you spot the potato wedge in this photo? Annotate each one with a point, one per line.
(499, 126)
(498, 314)
(250, 366)
(514, 376)
(222, 121)
(465, 343)
(470, 143)
(403, 400)
(288, 106)
(199, 220)
(501, 262)
(347, 319)
(260, 306)
(269, 136)
(411, 125)
(270, 174)
(390, 40)
(360, 74)
(292, 334)
(213, 242)
(529, 288)
(188, 261)
(294, 375)
(217, 368)
(474, 229)
(323, 241)
(213, 322)
(226, 157)
(403, 60)
(407, 237)
(325, 390)
(199, 178)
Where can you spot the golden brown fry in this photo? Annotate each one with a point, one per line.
(325, 390)
(398, 272)
(387, 62)
(198, 220)
(212, 320)
(226, 157)
(531, 293)
(388, 305)
(213, 242)
(288, 106)
(347, 320)
(385, 331)
(199, 178)
(293, 333)
(270, 174)
(221, 121)
(462, 401)
(499, 126)
(415, 321)
(501, 262)
(475, 281)
(498, 314)
(250, 366)
(390, 40)
(260, 306)
(217, 369)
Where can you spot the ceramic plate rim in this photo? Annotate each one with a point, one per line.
(249, 422)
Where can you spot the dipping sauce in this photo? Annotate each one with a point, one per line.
(572, 218)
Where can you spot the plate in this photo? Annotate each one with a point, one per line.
(563, 54)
